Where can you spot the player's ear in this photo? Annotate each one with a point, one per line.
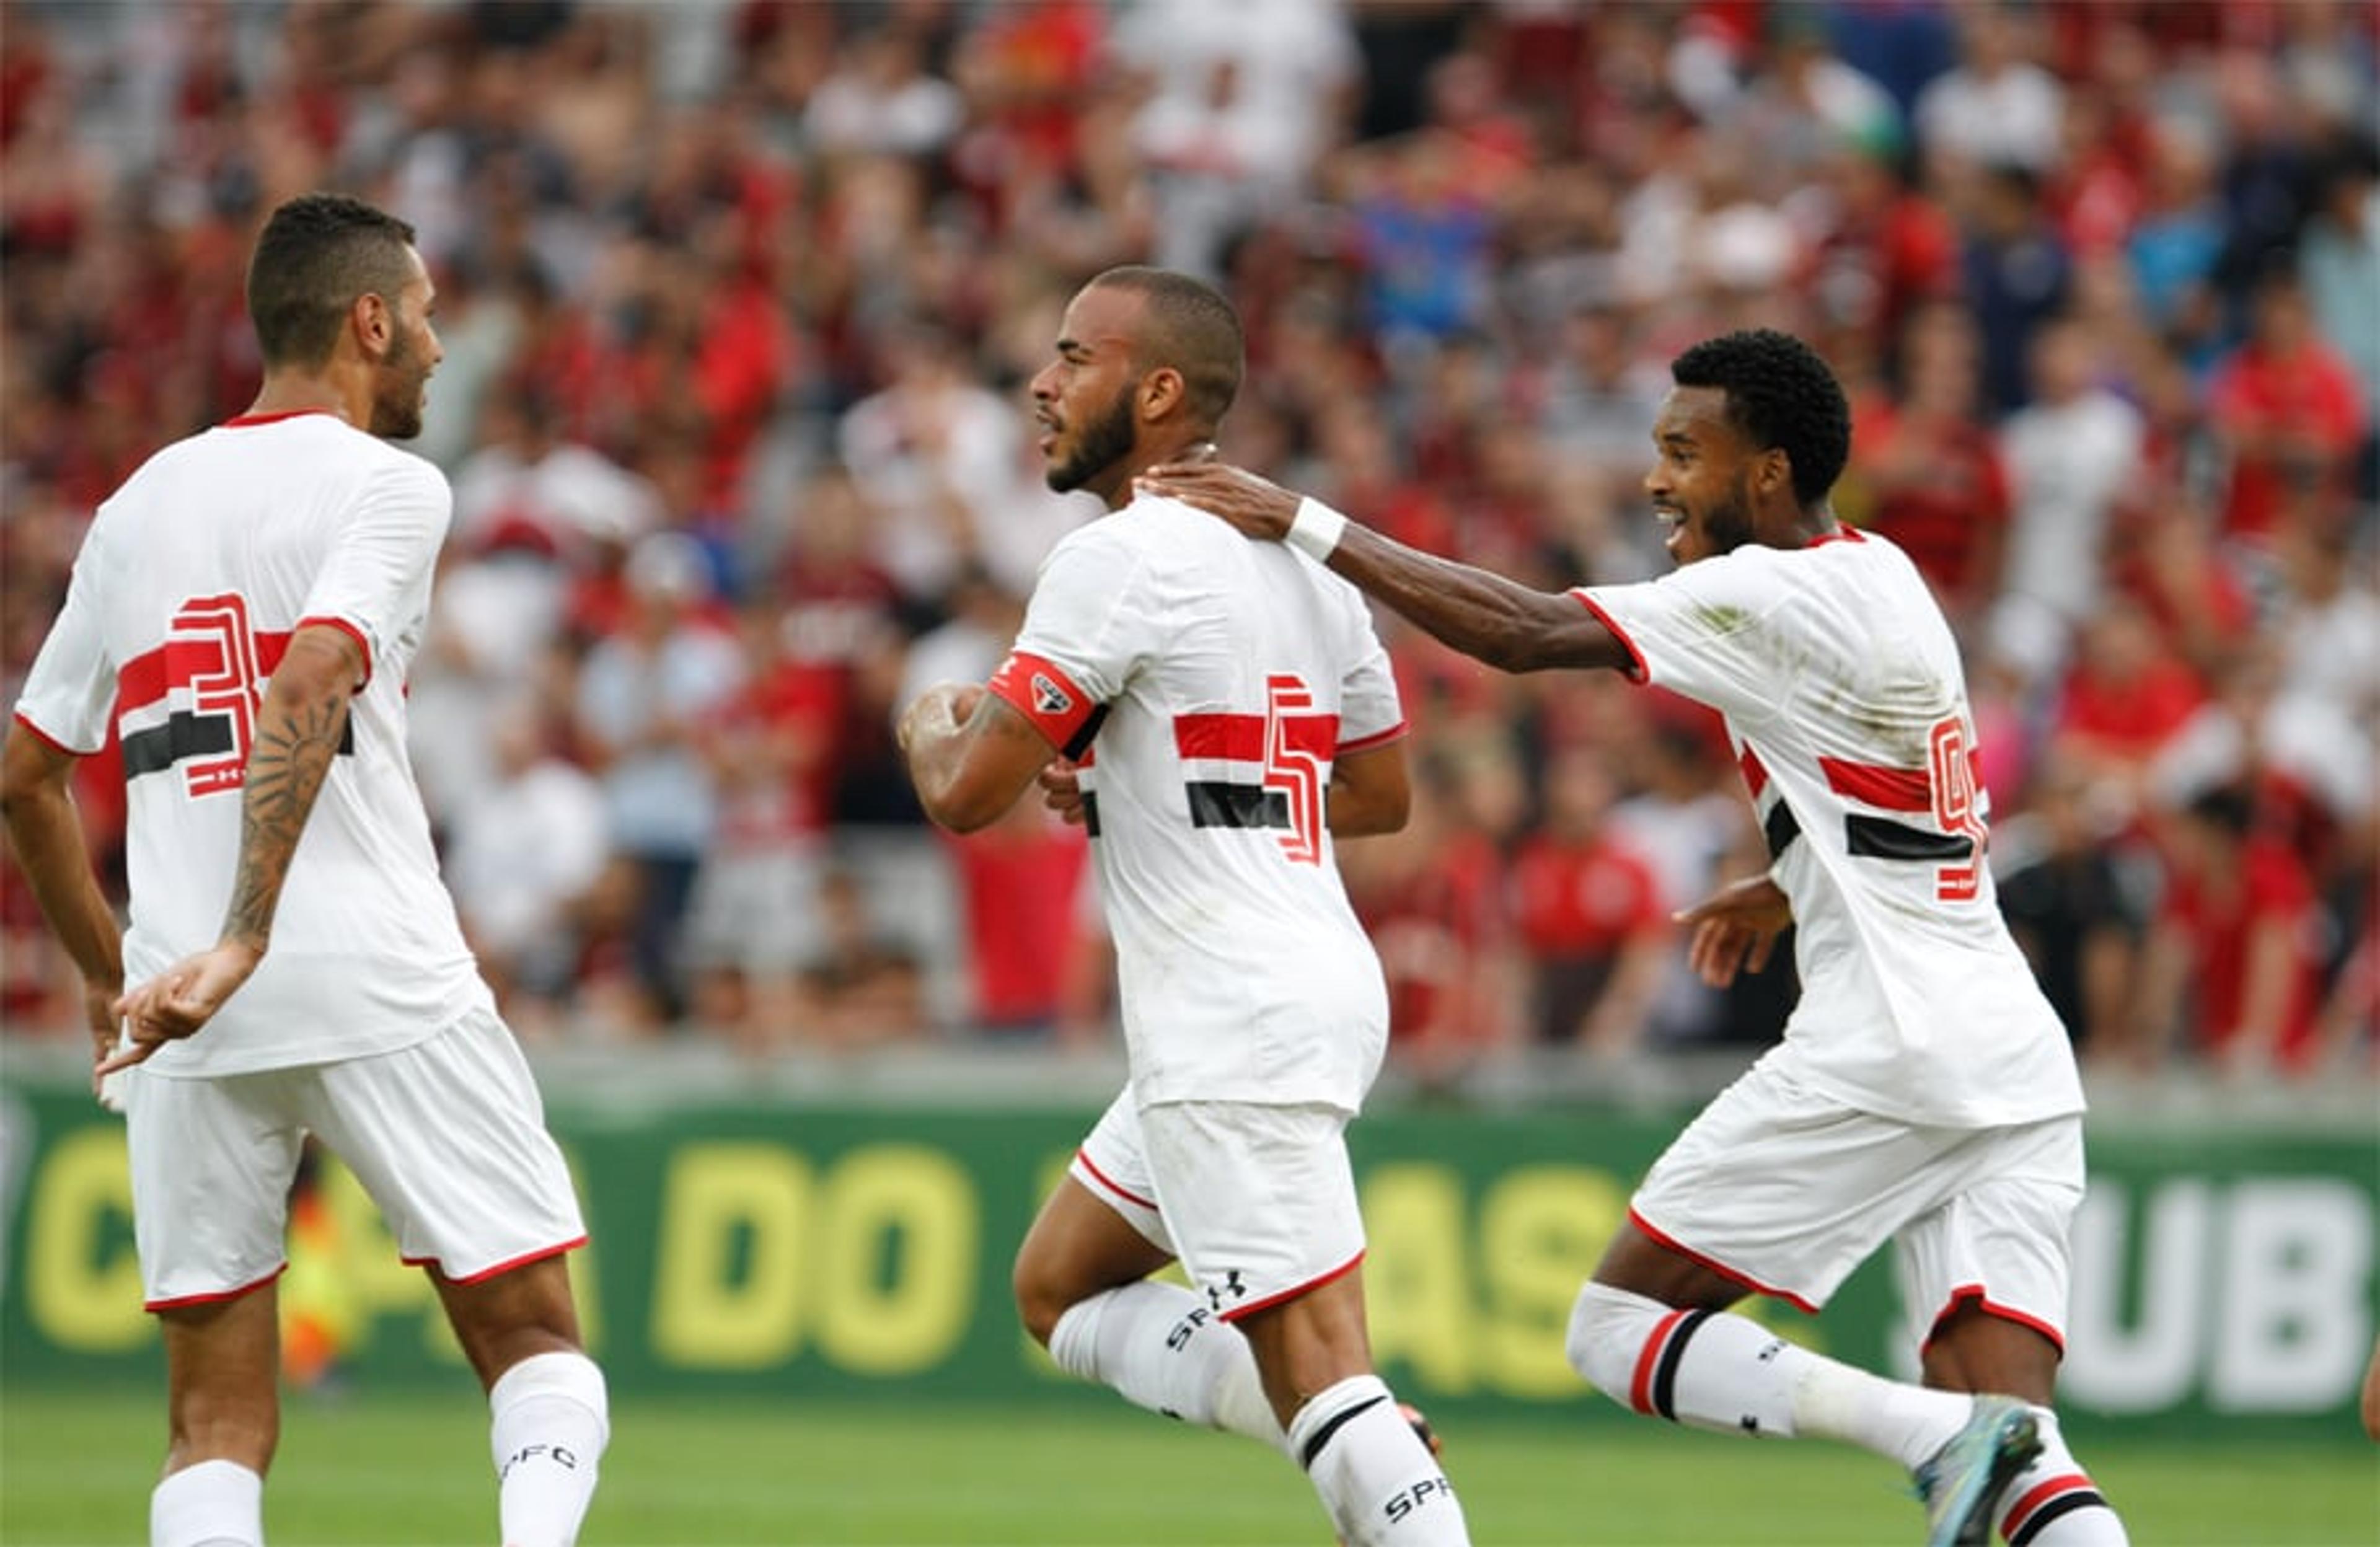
(1774, 473)
(374, 322)
(1161, 392)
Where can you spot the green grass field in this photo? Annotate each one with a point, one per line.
(77, 1466)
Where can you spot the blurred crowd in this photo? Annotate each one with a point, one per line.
(739, 297)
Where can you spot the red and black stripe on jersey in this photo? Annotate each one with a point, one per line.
(212, 672)
(1864, 834)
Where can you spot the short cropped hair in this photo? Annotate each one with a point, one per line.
(1191, 328)
(318, 253)
(1780, 394)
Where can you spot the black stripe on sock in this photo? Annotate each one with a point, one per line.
(2068, 1504)
(1336, 1423)
(1664, 1374)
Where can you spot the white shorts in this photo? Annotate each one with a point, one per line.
(1258, 1202)
(447, 1135)
(1786, 1191)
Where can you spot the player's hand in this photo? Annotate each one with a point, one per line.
(1735, 929)
(1062, 789)
(1255, 506)
(938, 712)
(179, 1002)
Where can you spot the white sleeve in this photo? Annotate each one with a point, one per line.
(1369, 711)
(1085, 616)
(71, 689)
(1707, 632)
(376, 583)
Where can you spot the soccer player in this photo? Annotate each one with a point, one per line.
(1214, 712)
(242, 615)
(1925, 1092)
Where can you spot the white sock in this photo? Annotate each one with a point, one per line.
(548, 1423)
(1716, 1370)
(2054, 1503)
(1161, 1346)
(1379, 1482)
(213, 1503)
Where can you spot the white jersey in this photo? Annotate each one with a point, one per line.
(1208, 683)
(189, 583)
(1844, 698)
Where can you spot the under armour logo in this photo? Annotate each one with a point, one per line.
(1230, 1285)
(1049, 698)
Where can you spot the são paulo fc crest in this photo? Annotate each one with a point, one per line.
(1048, 697)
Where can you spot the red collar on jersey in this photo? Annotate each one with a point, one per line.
(244, 420)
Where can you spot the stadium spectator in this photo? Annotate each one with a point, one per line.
(1997, 107)
(1832, 663)
(2285, 410)
(1931, 479)
(1158, 647)
(2079, 912)
(1588, 908)
(2070, 455)
(2232, 967)
(290, 540)
(522, 856)
(647, 697)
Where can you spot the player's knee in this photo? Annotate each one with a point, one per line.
(1608, 1328)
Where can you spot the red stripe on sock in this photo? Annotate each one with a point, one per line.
(2013, 1521)
(1639, 1388)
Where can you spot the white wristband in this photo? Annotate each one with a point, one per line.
(1315, 530)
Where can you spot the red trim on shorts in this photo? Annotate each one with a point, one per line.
(1109, 1183)
(351, 631)
(46, 739)
(1637, 672)
(1640, 1385)
(1731, 1274)
(1379, 738)
(1966, 1293)
(243, 422)
(523, 1261)
(1341, 1270)
(2023, 1509)
(219, 1296)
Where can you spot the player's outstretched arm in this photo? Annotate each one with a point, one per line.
(298, 729)
(46, 835)
(1509, 625)
(970, 755)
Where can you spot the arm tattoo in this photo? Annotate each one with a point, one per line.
(295, 744)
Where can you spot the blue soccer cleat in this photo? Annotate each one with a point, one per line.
(1960, 1481)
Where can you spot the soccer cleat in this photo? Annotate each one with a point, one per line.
(1960, 1481)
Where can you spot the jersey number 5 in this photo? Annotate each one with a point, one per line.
(1302, 776)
